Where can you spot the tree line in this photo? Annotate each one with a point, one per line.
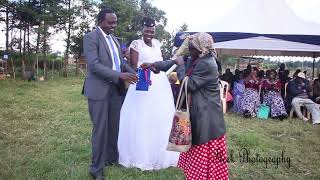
(30, 25)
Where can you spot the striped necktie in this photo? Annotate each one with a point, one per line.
(115, 55)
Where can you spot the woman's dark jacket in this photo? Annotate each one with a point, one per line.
(206, 113)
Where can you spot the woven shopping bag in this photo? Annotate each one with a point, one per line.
(180, 138)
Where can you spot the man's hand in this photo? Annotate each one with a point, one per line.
(129, 77)
(154, 70)
(150, 66)
(146, 65)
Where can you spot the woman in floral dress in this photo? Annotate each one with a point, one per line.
(250, 100)
(272, 96)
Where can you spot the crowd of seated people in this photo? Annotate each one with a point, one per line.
(251, 87)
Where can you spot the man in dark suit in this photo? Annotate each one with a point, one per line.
(104, 87)
(299, 95)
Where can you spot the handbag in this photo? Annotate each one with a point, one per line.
(180, 138)
(144, 80)
(263, 111)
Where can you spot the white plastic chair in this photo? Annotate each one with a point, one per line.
(224, 88)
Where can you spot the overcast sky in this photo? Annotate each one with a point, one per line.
(180, 11)
(190, 11)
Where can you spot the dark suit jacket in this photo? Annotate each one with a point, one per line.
(207, 121)
(100, 75)
(294, 91)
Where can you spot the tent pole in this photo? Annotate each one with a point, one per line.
(314, 59)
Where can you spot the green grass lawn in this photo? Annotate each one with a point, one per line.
(45, 133)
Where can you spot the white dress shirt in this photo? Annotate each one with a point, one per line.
(115, 48)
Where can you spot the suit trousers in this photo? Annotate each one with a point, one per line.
(105, 117)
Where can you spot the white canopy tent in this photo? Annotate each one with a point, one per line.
(265, 17)
(264, 46)
(263, 28)
(262, 17)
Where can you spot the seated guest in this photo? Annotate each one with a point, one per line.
(281, 70)
(296, 73)
(237, 91)
(272, 97)
(284, 79)
(261, 75)
(267, 73)
(235, 78)
(306, 73)
(299, 90)
(250, 100)
(249, 68)
(316, 90)
(227, 76)
(281, 76)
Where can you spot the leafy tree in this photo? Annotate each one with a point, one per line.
(183, 27)
(130, 14)
(74, 13)
(50, 16)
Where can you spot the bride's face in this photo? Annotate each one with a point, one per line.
(148, 33)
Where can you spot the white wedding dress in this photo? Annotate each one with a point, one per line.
(146, 118)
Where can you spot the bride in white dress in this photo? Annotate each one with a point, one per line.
(146, 116)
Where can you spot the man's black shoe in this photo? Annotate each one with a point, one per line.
(98, 176)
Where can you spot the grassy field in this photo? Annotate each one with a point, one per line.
(45, 134)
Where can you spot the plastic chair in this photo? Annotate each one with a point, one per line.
(224, 88)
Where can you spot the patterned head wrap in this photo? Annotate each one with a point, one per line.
(202, 41)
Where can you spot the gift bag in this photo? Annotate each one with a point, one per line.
(144, 80)
(263, 111)
(180, 138)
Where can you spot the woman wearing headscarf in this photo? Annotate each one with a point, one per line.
(207, 158)
(237, 91)
(272, 95)
(146, 116)
(250, 100)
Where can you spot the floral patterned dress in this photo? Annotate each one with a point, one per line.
(237, 92)
(272, 97)
(250, 100)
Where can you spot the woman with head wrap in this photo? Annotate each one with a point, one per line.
(271, 87)
(237, 91)
(207, 158)
(250, 100)
(146, 116)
